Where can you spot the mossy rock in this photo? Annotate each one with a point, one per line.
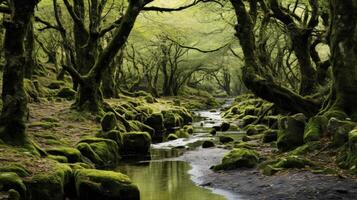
(184, 114)
(114, 135)
(291, 132)
(208, 144)
(307, 148)
(255, 129)
(136, 126)
(270, 135)
(31, 91)
(66, 93)
(73, 155)
(61, 159)
(16, 168)
(339, 130)
(213, 132)
(94, 184)
(11, 181)
(289, 162)
(238, 158)
(182, 133)
(108, 122)
(315, 128)
(44, 125)
(248, 119)
(188, 129)
(156, 121)
(136, 143)
(172, 136)
(225, 139)
(172, 120)
(102, 152)
(225, 126)
(50, 185)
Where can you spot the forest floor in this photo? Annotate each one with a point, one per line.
(252, 184)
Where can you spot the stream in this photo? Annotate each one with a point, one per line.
(175, 168)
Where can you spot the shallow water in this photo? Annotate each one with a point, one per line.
(166, 178)
(163, 178)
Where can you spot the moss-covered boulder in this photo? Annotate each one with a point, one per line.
(136, 143)
(102, 152)
(208, 144)
(94, 184)
(188, 129)
(108, 122)
(11, 181)
(238, 158)
(291, 132)
(185, 114)
(255, 129)
(114, 135)
(50, 185)
(172, 120)
(73, 155)
(172, 136)
(136, 126)
(225, 139)
(339, 130)
(156, 121)
(270, 135)
(66, 93)
(248, 119)
(315, 128)
(289, 162)
(16, 168)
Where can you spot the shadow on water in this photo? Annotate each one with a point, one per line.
(165, 179)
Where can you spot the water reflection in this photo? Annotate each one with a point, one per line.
(166, 180)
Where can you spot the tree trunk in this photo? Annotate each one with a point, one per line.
(268, 90)
(344, 55)
(29, 52)
(89, 94)
(14, 112)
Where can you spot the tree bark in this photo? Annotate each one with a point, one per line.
(268, 90)
(344, 55)
(14, 112)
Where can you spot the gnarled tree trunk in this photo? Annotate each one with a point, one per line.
(344, 56)
(266, 89)
(14, 112)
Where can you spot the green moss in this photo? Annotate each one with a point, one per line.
(115, 135)
(50, 185)
(172, 136)
(136, 126)
(55, 85)
(290, 162)
(182, 133)
(97, 185)
(73, 155)
(172, 119)
(136, 143)
(61, 159)
(16, 168)
(31, 91)
(102, 152)
(108, 122)
(339, 130)
(255, 129)
(306, 148)
(44, 125)
(291, 132)
(238, 158)
(66, 93)
(248, 119)
(10, 180)
(188, 129)
(315, 128)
